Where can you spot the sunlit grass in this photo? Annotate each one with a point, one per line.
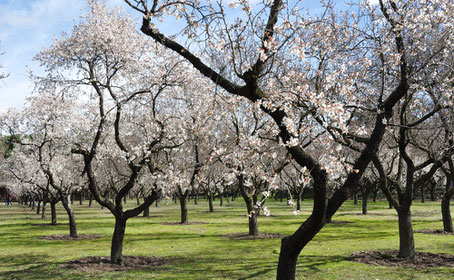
(200, 251)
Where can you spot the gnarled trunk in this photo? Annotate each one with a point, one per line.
(116, 251)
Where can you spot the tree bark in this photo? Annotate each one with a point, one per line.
(146, 212)
(446, 207)
(364, 201)
(406, 240)
(298, 200)
(292, 245)
(38, 207)
(90, 201)
(43, 213)
(355, 197)
(423, 200)
(116, 251)
(184, 210)
(53, 213)
(66, 201)
(253, 225)
(221, 199)
(210, 202)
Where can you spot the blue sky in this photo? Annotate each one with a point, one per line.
(26, 26)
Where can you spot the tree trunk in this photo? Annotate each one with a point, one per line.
(90, 200)
(184, 209)
(38, 207)
(432, 194)
(33, 205)
(298, 200)
(355, 197)
(43, 211)
(146, 212)
(445, 208)
(364, 201)
(446, 214)
(221, 199)
(196, 198)
(138, 199)
(406, 240)
(374, 197)
(66, 201)
(253, 225)
(157, 202)
(422, 194)
(292, 245)
(81, 198)
(53, 213)
(116, 251)
(210, 202)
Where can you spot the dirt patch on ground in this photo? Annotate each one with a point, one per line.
(184, 224)
(434, 231)
(422, 260)
(245, 236)
(67, 237)
(102, 264)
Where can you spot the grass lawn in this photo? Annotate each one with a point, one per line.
(200, 251)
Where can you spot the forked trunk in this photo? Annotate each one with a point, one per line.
(116, 251)
(406, 240)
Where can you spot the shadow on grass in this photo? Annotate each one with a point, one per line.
(27, 266)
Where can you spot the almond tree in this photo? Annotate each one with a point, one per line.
(315, 71)
(46, 161)
(126, 123)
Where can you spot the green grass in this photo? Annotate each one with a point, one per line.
(200, 251)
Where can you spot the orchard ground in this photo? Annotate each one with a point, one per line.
(203, 250)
